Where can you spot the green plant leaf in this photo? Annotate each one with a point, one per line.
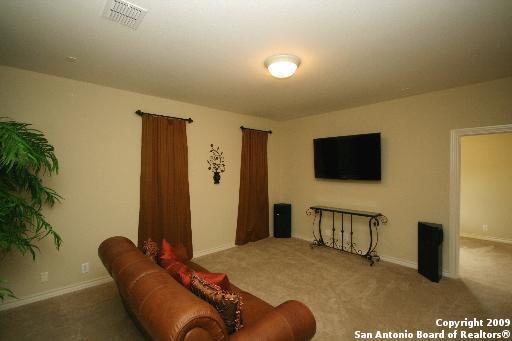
(4, 293)
(25, 157)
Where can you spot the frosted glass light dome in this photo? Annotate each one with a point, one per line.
(282, 65)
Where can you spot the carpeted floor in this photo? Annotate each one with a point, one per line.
(343, 291)
(90, 314)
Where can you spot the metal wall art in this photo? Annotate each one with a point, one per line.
(216, 163)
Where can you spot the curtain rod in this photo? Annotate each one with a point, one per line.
(264, 131)
(140, 113)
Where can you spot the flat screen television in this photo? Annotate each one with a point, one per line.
(354, 157)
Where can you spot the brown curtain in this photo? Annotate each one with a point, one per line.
(252, 221)
(164, 194)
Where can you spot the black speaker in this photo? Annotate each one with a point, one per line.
(282, 220)
(430, 250)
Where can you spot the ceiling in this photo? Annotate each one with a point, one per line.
(211, 53)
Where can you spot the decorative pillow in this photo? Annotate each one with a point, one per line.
(182, 273)
(227, 304)
(171, 254)
(179, 272)
(150, 249)
(219, 279)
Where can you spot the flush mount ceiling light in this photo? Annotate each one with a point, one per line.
(282, 65)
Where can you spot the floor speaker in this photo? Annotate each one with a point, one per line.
(282, 220)
(430, 251)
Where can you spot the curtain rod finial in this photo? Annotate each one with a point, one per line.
(139, 112)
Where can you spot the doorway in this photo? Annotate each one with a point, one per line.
(485, 254)
(455, 194)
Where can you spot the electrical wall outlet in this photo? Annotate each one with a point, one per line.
(44, 276)
(85, 267)
(485, 227)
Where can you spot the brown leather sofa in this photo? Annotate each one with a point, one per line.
(165, 310)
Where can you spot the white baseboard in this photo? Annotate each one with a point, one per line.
(13, 303)
(394, 260)
(213, 250)
(407, 263)
(308, 239)
(492, 239)
(400, 261)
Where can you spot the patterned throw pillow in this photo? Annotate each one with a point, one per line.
(150, 249)
(217, 278)
(183, 274)
(227, 304)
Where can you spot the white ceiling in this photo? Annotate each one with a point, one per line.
(211, 52)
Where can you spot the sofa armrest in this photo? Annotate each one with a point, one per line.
(162, 307)
(112, 248)
(290, 320)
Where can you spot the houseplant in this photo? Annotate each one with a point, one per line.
(25, 158)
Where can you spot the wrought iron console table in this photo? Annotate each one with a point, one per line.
(376, 219)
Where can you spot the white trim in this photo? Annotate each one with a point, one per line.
(454, 227)
(492, 239)
(13, 303)
(309, 239)
(213, 250)
(407, 263)
(389, 259)
(399, 261)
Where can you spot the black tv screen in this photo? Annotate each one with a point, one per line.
(354, 157)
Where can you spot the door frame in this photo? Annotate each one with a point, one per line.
(454, 231)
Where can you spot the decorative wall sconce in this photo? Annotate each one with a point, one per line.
(216, 163)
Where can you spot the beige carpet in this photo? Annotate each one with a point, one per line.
(343, 291)
(346, 294)
(486, 263)
(90, 314)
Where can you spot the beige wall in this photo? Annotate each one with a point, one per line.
(486, 186)
(97, 139)
(415, 160)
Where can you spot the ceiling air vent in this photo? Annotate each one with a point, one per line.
(124, 12)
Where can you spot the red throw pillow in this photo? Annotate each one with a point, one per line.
(184, 278)
(170, 254)
(182, 274)
(179, 272)
(219, 279)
